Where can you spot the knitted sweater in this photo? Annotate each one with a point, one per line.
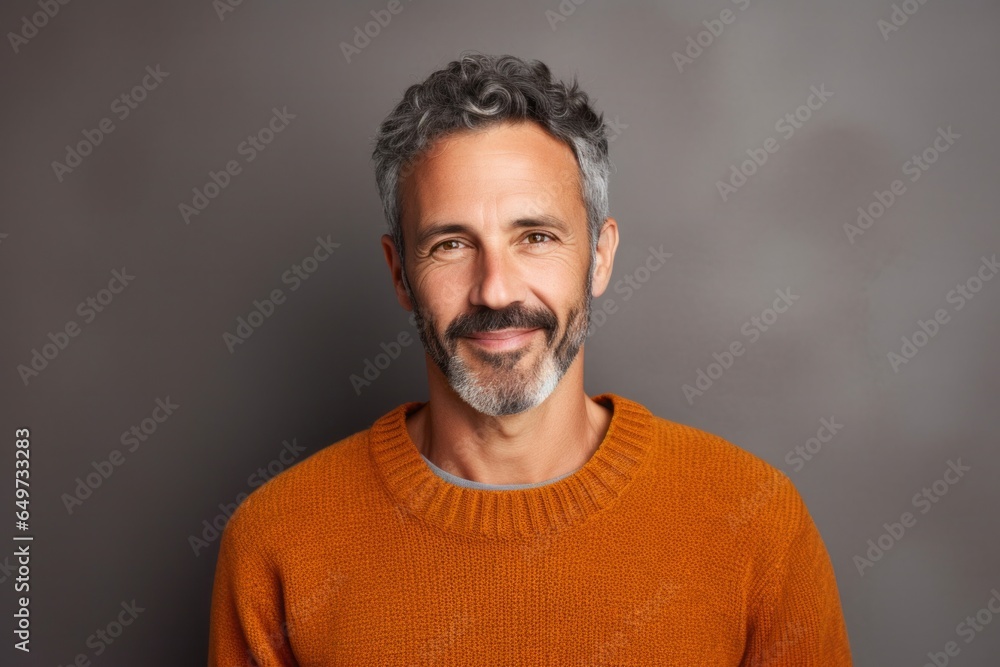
(670, 546)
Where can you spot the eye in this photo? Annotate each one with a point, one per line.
(444, 243)
(541, 234)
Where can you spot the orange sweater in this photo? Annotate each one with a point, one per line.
(670, 546)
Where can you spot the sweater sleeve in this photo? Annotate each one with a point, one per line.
(247, 625)
(795, 613)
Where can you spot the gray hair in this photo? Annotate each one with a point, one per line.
(477, 91)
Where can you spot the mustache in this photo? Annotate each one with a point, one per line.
(512, 317)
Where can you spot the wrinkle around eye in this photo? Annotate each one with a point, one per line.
(552, 239)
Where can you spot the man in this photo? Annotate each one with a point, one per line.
(511, 519)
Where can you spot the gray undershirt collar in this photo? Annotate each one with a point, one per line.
(469, 484)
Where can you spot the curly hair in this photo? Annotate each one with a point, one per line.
(477, 91)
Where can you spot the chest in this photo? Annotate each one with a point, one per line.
(534, 602)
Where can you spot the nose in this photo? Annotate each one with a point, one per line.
(497, 282)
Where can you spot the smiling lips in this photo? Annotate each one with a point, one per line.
(503, 339)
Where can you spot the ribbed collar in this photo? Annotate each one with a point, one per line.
(416, 489)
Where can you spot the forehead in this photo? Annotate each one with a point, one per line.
(500, 169)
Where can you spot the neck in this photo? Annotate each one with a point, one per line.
(552, 439)
(538, 509)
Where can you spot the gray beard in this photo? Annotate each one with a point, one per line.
(500, 388)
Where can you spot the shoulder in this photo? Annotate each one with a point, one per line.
(291, 500)
(731, 483)
(697, 451)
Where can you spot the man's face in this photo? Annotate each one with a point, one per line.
(498, 263)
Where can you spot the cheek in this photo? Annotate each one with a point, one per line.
(567, 272)
(568, 283)
(440, 301)
(441, 287)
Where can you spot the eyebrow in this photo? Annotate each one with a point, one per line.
(442, 228)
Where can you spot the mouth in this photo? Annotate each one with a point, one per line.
(504, 339)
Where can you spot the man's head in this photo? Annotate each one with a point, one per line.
(498, 177)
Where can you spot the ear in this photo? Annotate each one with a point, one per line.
(604, 259)
(396, 271)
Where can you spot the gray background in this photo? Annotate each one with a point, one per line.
(679, 133)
